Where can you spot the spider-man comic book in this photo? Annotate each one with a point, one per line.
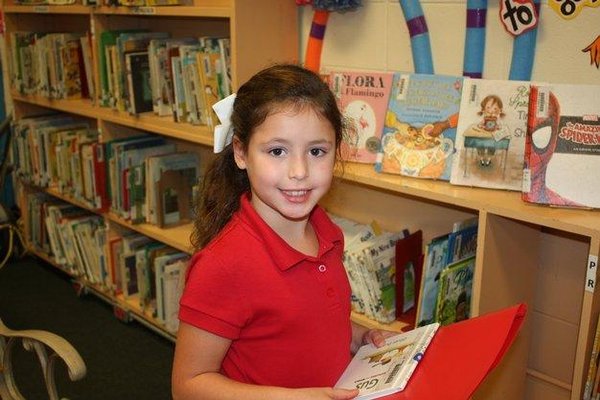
(562, 148)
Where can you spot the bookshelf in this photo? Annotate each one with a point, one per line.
(526, 253)
(252, 49)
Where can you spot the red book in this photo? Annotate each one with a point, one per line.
(462, 354)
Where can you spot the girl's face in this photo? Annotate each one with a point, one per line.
(289, 161)
(491, 109)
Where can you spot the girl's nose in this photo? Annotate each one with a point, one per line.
(298, 167)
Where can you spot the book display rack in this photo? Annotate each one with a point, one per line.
(542, 256)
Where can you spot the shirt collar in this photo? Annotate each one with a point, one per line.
(282, 253)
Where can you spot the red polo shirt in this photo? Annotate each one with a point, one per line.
(287, 314)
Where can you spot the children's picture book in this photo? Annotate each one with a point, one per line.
(562, 148)
(442, 253)
(363, 99)
(420, 126)
(379, 371)
(490, 136)
(436, 253)
(454, 297)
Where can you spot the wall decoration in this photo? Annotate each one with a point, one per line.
(419, 36)
(314, 45)
(569, 9)
(524, 48)
(475, 38)
(594, 49)
(518, 16)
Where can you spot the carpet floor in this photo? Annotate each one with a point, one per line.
(124, 360)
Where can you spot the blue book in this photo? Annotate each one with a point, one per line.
(420, 126)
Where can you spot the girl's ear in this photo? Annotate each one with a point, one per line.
(239, 153)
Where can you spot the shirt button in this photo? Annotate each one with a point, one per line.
(322, 268)
(330, 292)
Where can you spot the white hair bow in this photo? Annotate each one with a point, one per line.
(224, 132)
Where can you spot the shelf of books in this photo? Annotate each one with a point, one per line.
(112, 137)
(113, 127)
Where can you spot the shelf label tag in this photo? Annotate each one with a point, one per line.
(144, 10)
(590, 279)
(41, 9)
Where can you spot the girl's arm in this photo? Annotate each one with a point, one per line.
(196, 373)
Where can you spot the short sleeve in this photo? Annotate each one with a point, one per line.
(212, 298)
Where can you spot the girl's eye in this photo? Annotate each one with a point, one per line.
(317, 152)
(277, 152)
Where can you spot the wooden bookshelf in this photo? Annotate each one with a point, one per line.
(261, 33)
(526, 253)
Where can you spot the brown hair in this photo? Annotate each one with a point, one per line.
(495, 100)
(274, 89)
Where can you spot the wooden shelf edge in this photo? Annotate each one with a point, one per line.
(499, 202)
(199, 134)
(548, 379)
(363, 320)
(168, 236)
(168, 11)
(47, 9)
(182, 11)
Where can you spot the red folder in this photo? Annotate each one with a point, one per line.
(461, 355)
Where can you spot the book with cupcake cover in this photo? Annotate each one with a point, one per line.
(420, 126)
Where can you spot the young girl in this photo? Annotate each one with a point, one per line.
(491, 113)
(266, 309)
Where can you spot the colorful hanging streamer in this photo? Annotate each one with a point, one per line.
(475, 38)
(314, 44)
(419, 36)
(524, 52)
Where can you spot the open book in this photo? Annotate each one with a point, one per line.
(379, 371)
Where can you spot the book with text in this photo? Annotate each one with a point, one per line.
(420, 126)
(490, 137)
(379, 371)
(363, 99)
(562, 148)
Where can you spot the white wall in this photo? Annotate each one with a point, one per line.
(375, 37)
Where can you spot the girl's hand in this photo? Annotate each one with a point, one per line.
(326, 394)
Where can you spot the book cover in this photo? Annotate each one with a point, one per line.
(379, 371)
(138, 81)
(174, 191)
(363, 99)
(562, 148)
(436, 254)
(409, 271)
(490, 136)
(107, 39)
(462, 355)
(420, 126)
(454, 297)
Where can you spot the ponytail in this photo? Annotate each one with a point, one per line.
(219, 199)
